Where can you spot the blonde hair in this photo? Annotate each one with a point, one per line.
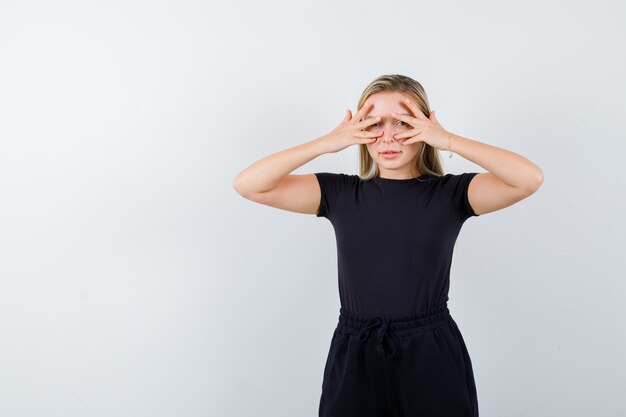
(427, 159)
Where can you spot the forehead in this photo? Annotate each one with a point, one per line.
(387, 97)
(387, 101)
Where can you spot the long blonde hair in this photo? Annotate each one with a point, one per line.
(427, 159)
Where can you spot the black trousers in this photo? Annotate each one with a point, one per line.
(414, 366)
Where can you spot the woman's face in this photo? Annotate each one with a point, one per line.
(399, 165)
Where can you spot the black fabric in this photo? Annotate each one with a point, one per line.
(395, 239)
(412, 366)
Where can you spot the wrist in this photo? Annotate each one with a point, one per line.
(320, 145)
(449, 145)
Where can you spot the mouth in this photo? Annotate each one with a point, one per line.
(390, 154)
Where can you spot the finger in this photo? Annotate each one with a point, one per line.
(366, 107)
(368, 122)
(367, 140)
(411, 121)
(367, 135)
(346, 117)
(408, 134)
(414, 109)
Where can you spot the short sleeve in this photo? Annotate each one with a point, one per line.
(457, 186)
(331, 186)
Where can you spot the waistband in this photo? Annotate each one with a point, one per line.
(393, 327)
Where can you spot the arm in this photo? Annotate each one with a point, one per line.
(511, 177)
(267, 181)
(266, 173)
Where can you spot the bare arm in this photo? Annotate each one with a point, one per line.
(266, 173)
(511, 176)
(267, 181)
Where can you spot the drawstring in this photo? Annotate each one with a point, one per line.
(383, 329)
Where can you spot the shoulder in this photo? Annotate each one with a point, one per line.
(336, 179)
(336, 175)
(334, 188)
(453, 181)
(456, 187)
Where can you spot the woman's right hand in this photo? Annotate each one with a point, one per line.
(351, 131)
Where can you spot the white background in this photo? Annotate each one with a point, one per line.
(134, 281)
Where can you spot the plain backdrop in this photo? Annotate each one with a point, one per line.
(134, 280)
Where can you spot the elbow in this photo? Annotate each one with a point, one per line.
(236, 184)
(239, 186)
(536, 181)
(539, 178)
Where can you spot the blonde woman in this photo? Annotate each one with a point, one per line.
(396, 351)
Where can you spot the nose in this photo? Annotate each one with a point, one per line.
(388, 134)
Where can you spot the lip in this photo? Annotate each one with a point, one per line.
(390, 154)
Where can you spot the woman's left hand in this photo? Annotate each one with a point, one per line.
(426, 129)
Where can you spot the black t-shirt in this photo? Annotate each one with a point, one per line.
(394, 238)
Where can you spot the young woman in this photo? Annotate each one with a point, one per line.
(396, 351)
